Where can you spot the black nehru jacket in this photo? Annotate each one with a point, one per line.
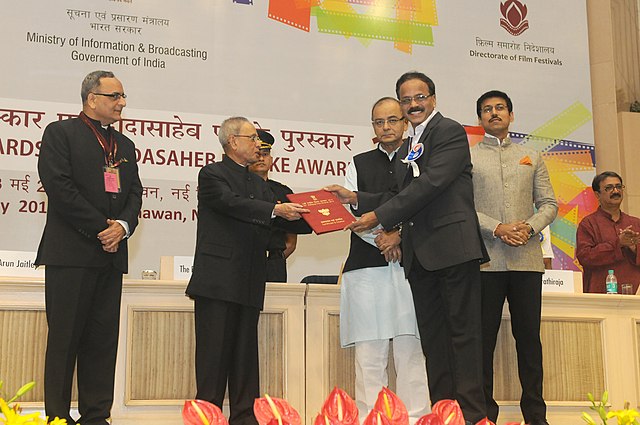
(375, 174)
(277, 240)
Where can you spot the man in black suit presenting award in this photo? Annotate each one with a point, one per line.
(441, 243)
(90, 175)
(235, 211)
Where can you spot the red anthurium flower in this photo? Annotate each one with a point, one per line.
(275, 421)
(430, 419)
(389, 404)
(340, 408)
(323, 420)
(449, 411)
(200, 412)
(268, 409)
(485, 421)
(376, 417)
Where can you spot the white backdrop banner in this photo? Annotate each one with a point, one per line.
(307, 70)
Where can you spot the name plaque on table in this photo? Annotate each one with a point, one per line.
(558, 281)
(326, 212)
(19, 264)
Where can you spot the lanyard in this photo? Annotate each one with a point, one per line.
(110, 147)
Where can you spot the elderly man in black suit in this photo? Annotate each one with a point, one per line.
(441, 243)
(235, 211)
(90, 175)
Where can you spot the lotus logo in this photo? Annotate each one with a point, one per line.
(513, 19)
(324, 211)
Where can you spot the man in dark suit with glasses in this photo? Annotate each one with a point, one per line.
(441, 244)
(89, 172)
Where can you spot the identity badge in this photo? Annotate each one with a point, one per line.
(111, 179)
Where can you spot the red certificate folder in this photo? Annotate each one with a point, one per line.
(326, 212)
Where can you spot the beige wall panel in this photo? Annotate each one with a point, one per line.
(22, 349)
(603, 87)
(579, 333)
(637, 363)
(624, 16)
(341, 360)
(632, 204)
(629, 124)
(271, 354)
(600, 34)
(608, 155)
(162, 365)
(162, 345)
(579, 342)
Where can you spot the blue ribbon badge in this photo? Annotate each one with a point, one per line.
(414, 153)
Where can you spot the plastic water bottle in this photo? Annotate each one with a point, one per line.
(612, 283)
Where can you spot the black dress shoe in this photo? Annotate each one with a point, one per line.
(539, 422)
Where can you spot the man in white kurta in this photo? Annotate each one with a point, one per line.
(376, 303)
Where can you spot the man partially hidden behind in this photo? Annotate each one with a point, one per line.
(376, 304)
(235, 211)
(281, 243)
(608, 238)
(508, 180)
(89, 173)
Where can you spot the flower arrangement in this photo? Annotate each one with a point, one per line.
(340, 409)
(275, 411)
(12, 414)
(200, 412)
(625, 416)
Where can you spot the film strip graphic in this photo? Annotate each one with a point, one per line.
(403, 22)
(571, 167)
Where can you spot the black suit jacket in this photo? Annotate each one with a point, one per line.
(70, 166)
(436, 210)
(234, 219)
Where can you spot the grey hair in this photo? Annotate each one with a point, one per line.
(229, 127)
(91, 81)
(382, 100)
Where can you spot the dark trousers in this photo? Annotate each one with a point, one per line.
(276, 267)
(523, 291)
(447, 304)
(227, 353)
(83, 312)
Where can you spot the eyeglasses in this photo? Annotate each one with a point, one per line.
(498, 108)
(253, 137)
(115, 95)
(392, 121)
(609, 188)
(419, 98)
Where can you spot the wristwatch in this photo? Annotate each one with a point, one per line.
(531, 231)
